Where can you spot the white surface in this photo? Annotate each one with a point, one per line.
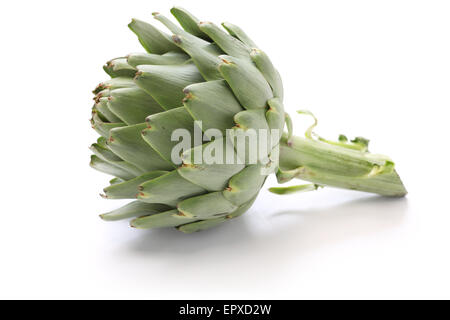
(379, 69)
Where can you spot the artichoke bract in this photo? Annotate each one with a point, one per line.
(214, 89)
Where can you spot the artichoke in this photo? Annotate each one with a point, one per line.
(217, 82)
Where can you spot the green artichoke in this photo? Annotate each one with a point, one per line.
(216, 81)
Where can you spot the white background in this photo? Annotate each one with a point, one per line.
(379, 69)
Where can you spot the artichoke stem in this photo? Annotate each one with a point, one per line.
(334, 165)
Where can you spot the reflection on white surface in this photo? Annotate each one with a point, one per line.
(308, 228)
(267, 252)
